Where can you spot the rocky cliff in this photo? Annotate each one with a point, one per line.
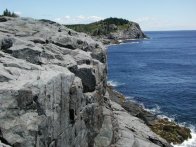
(111, 30)
(53, 91)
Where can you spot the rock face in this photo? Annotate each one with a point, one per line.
(132, 30)
(53, 91)
(51, 85)
(131, 131)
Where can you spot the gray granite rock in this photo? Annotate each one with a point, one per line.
(53, 90)
(133, 31)
(42, 85)
(132, 132)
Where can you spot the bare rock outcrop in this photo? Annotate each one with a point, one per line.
(53, 90)
(51, 85)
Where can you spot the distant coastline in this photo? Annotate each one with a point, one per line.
(111, 30)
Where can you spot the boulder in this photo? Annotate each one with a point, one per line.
(5, 43)
(86, 73)
(3, 18)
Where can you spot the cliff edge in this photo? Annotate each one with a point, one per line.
(111, 30)
(53, 91)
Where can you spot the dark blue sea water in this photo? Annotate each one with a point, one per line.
(159, 73)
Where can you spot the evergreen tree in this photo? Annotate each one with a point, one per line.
(14, 14)
(9, 13)
(6, 12)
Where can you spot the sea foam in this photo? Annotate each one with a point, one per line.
(190, 142)
(114, 83)
(187, 143)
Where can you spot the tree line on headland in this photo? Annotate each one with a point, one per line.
(8, 13)
(102, 27)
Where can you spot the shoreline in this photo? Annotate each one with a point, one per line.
(110, 42)
(123, 42)
(190, 138)
(154, 121)
(61, 104)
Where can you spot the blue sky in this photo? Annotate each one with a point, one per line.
(150, 14)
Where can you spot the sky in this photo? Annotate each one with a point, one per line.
(152, 15)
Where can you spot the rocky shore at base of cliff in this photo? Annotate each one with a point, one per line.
(164, 127)
(117, 36)
(53, 91)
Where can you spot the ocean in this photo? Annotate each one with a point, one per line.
(160, 74)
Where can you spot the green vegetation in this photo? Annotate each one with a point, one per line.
(116, 21)
(170, 131)
(8, 13)
(103, 27)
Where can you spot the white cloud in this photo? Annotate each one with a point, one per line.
(77, 19)
(18, 13)
(145, 19)
(147, 23)
(155, 23)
